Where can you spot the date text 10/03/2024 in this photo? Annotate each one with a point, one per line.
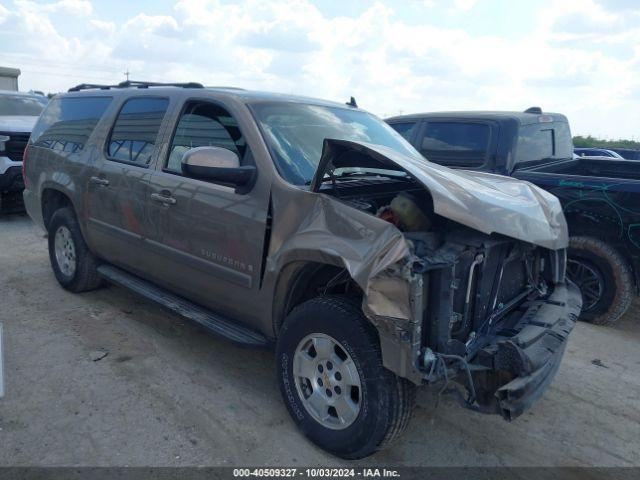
(316, 472)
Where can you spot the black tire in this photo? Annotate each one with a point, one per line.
(85, 275)
(614, 277)
(387, 400)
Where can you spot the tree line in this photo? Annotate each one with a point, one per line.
(593, 142)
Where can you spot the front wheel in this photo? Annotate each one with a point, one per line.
(333, 382)
(604, 278)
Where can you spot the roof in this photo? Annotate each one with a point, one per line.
(255, 96)
(246, 96)
(13, 93)
(496, 115)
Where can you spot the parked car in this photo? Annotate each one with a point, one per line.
(18, 114)
(600, 197)
(311, 227)
(627, 153)
(597, 152)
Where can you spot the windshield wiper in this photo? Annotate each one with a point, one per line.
(358, 174)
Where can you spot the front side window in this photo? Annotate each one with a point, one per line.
(135, 130)
(67, 122)
(295, 133)
(456, 143)
(22, 105)
(204, 124)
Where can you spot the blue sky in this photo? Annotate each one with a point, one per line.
(579, 57)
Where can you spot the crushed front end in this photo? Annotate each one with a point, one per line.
(480, 302)
(491, 318)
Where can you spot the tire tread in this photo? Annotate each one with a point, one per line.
(622, 274)
(86, 276)
(402, 392)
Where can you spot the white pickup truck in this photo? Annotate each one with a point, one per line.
(18, 114)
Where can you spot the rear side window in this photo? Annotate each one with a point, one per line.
(135, 130)
(541, 141)
(67, 123)
(405, 129)
(456, 143)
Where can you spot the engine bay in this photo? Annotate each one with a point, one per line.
(398, 201)
(491, 275)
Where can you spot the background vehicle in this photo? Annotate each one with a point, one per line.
(627, 153)
(597, 152)
(311, 225)
(600, 197)
(18, 114)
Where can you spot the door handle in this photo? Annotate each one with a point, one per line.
(164, 199)
(103, 182)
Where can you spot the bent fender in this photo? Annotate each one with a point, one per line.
(485, 202)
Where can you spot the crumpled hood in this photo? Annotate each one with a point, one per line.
(485, 202)
(17, 123)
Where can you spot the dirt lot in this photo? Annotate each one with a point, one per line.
(168, 393)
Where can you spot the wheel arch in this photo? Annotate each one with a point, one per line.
(583, 224)
(302, 280)
(52, 199)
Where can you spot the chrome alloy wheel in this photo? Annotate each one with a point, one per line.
(65, 251)
(327, 381)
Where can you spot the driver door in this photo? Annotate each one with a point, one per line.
(207, 238)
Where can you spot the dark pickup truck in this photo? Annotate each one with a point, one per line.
(600, 197)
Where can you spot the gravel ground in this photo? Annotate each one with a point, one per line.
(104, 378)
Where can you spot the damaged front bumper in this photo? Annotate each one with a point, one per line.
(504, 371)
(529, 359)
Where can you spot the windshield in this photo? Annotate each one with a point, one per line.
(295, 134)
(21, 105)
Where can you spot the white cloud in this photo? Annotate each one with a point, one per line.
(583, 58)
(104, 27)
(4, 13)
(79, 8)
(464, 5)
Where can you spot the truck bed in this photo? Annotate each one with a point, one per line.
(620, 172)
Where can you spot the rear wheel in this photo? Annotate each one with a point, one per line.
(333, 382)
(74, 266)
(604, 278)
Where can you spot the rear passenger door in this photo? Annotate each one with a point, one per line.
(208, 238)
(118, 191)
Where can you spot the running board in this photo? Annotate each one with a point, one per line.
(211, 321)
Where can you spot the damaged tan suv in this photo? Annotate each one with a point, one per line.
(313, 228)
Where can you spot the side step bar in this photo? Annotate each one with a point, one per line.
(211, 321)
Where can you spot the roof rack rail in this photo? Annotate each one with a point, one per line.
(134, 84)
(87, 86)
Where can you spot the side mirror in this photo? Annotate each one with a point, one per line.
(217, 165)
